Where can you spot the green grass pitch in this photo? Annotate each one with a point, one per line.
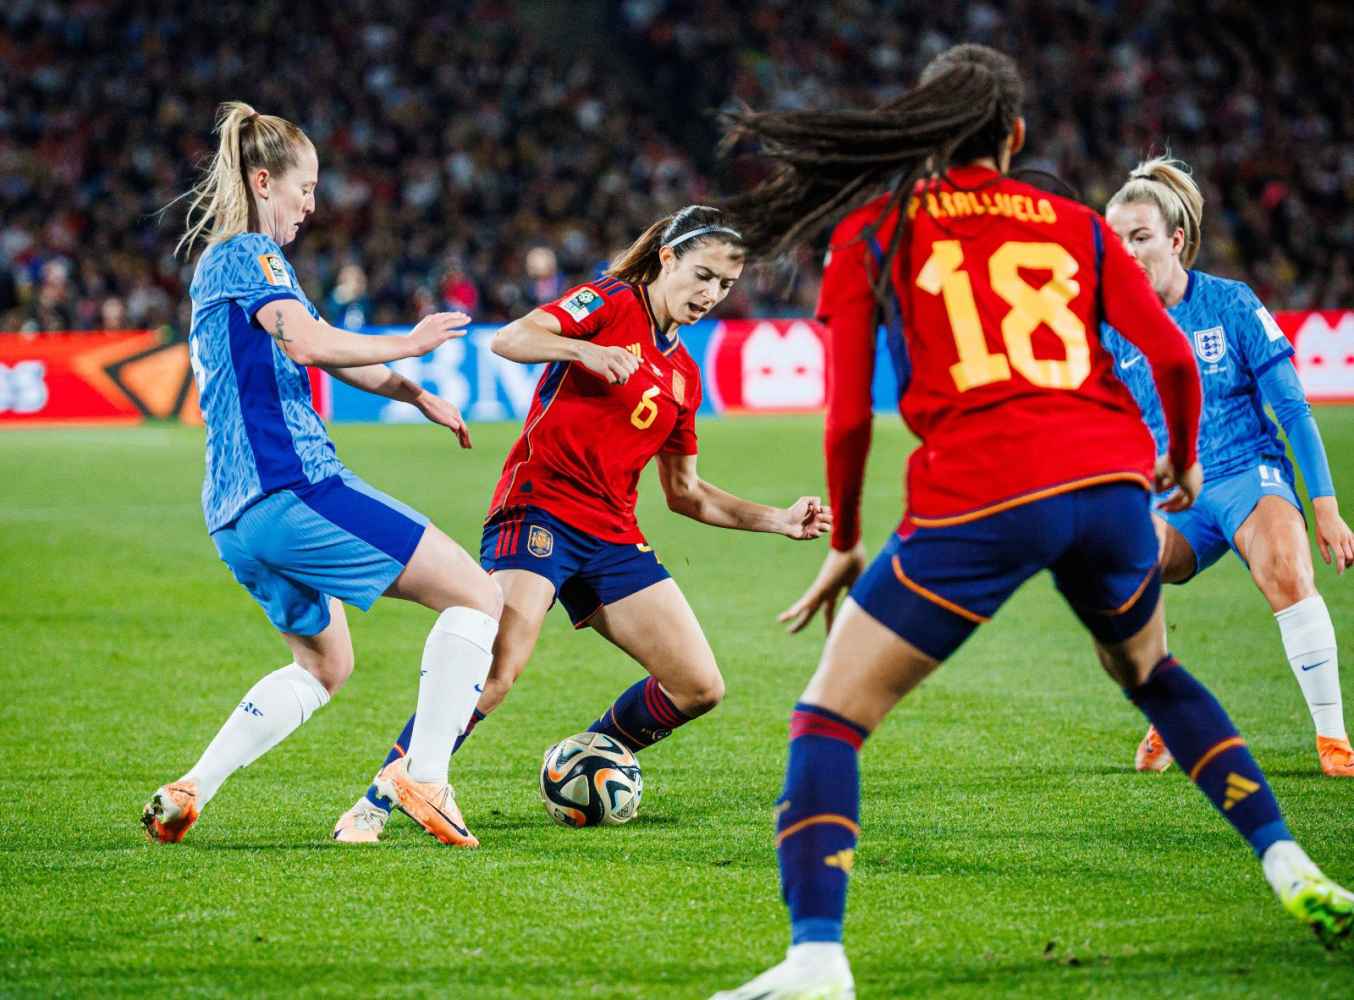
(1008, 848)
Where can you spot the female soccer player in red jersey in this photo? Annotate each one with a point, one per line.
(1032, 457)
(619, 390)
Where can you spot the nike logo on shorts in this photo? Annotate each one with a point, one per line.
(1130, 362)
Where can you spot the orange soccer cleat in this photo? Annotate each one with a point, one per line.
(1152, 754)
(1337, 757)
(171, 812)
(430, 804)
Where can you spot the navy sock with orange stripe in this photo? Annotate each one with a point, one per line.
(641, 716)
(401, 747)
(1205, 744)
(817, 820)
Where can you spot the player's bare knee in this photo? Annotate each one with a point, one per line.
(701, 697)
(331, 669)
(1283, 579)
(484, 595)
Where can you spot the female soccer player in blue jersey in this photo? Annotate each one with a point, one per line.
(1249, 503)
(298, 530)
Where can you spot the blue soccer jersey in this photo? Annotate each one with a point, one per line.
(1235, 342)
(263, 434)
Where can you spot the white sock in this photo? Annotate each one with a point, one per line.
(266, 716)
(1285, 864)
(456, 660)
(1309, 641)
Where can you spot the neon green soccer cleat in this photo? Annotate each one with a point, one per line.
(1322, 905)
(1305, 892)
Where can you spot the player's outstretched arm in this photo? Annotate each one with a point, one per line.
(692, 496)
(309, 341)
(538, 336)
(382, 381)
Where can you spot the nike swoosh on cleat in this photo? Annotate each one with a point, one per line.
(1130, 362)
(1313, 666)
(452, 823)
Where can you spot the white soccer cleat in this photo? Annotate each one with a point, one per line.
(814, 971)
(362, 824)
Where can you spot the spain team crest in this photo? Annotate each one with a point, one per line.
(540, 543)
(1211, 344)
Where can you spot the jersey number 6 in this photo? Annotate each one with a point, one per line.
(1030, 308)
(646, 410)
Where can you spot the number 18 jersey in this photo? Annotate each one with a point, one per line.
(1002, 287)
(586, 441)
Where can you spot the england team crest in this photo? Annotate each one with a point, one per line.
(540, 543)
(1210, 344)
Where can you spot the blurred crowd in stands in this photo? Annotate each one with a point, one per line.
(484, 155)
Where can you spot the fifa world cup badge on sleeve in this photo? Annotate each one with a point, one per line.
(274, 270)
(580, 304)
(540, 542)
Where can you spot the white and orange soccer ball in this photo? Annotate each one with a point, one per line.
(590, 780)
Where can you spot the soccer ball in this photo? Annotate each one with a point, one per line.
(591, 779)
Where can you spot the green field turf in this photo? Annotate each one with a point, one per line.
(1008, 848)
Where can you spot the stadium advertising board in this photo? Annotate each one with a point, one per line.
(748, 366)
(113, 377)
(102, 377)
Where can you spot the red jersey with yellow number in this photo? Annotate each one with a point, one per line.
(586, 440)
(999, 292)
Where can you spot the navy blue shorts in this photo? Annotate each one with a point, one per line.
(933, 586)
(588, 573)
(340, 537)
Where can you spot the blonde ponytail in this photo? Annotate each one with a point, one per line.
(1167, 183)
(220, 204)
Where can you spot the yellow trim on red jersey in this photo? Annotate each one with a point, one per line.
(1024, 498)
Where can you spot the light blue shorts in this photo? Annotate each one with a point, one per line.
(340, 537)
(1211, 524)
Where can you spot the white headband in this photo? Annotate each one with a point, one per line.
(704, 231)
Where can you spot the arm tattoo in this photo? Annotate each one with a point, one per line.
(279, 334)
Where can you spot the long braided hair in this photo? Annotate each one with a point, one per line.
(830, 162)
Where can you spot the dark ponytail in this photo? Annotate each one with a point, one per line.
(639, 264)
(829, 162)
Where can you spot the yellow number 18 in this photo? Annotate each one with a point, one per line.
(1030, 308)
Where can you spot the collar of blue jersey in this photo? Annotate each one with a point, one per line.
(661, 340)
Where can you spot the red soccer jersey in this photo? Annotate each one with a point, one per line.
(1001, 289)
(585, 440)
